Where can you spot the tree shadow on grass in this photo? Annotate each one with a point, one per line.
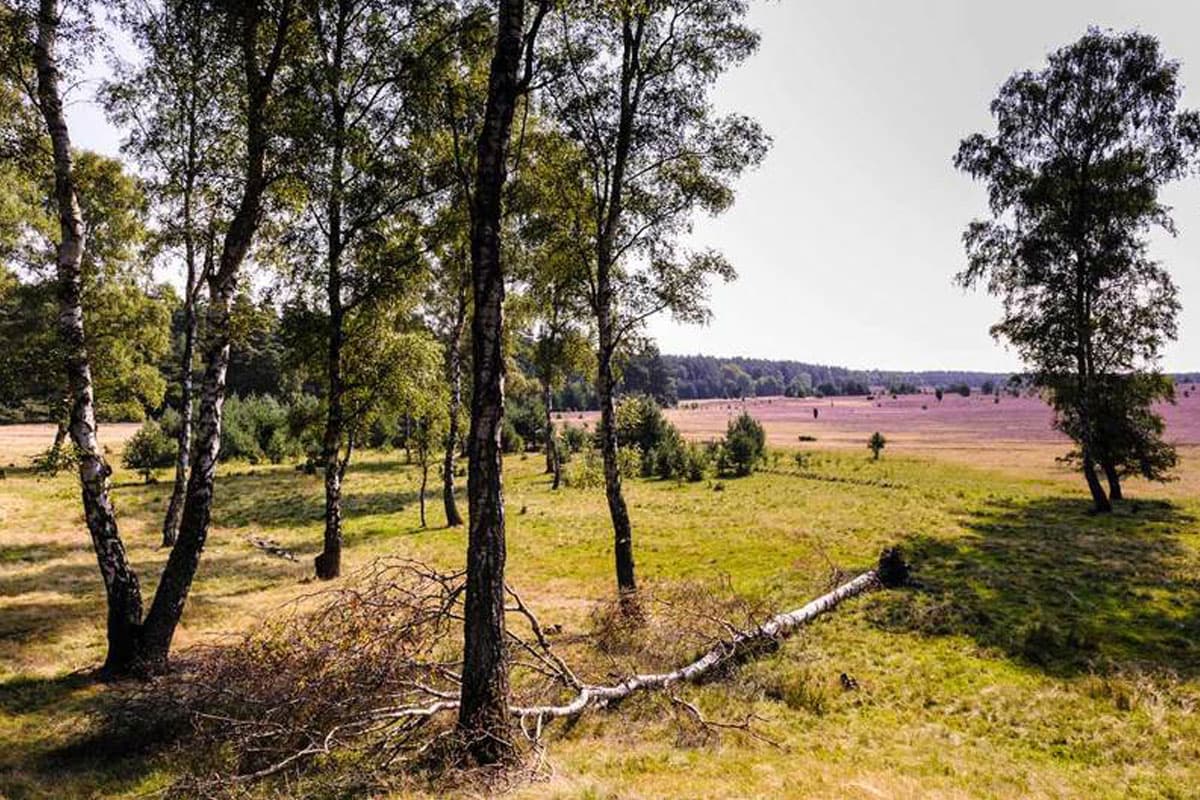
(271, 498)
(72, 755)
(1055, 587)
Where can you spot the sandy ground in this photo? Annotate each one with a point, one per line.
(19, 443)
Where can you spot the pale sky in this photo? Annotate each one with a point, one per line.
(847, 236)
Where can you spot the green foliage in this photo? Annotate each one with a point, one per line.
(641, 425)
(256, 428)
(876, 444)
(56, 459)
(675, 459)
(585, 472)
(511, 440)
(744, 447)
(574, 439)
(149, 449)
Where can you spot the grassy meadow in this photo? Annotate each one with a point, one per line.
(1042, 652)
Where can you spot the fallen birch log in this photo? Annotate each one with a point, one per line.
(890, 572)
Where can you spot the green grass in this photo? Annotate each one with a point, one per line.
(1044, 652)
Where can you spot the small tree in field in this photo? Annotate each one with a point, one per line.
(745, 446)
(876, 444)
(149, 449)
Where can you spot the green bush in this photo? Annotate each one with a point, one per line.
(876, 443)
(574, 438)
(255, 428)
(629, 461)
(585, 472)
(675, 459)
(149, 449)
(511, 441)
(744, 447)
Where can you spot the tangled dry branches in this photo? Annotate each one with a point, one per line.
(365, 673)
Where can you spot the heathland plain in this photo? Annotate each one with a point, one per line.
(1042, 651)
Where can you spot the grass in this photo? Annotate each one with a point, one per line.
(1044, 652)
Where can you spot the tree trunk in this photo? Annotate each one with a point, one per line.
(120, 582)
(618, 511)
(175, 584)
(454, 378)
(170, 529)
(483, 718)
(424, 485)
(551, 442)
(1099, 498)
(1114, 480)
(607, 316)
(329, 562)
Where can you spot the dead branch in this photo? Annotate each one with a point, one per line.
(740, 646)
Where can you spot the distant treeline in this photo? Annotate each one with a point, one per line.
(702, 377)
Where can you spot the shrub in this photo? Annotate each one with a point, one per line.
(249, 426)
(586, 472)
(744, 447)
(510, 440)
(149, 449)
(629, 461)
(696, 465)
(574, 438)
(640, 423)
(876, 443)
(53, 460)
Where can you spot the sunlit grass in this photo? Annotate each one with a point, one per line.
(1045, 652)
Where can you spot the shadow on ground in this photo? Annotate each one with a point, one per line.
(1055, 587)
(76, 760)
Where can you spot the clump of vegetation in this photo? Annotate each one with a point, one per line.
(876, 444)
(256, 429)
(511, 440)
(574, 440)
(149, 449)
(744, 447)
(57, 458)
(675, 459)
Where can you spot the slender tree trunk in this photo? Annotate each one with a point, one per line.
(618, 511)
(329, 562)
(424, 484)
(606, 315)
(62, 430)
(170, 529)
(120, 582)
(551, 444)
(1113, 478)
(453, 436)
(175, 584)
(483, 717)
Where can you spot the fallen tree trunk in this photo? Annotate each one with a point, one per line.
(891, 571)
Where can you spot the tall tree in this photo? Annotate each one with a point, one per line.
(120, 582)
(259, 29)
(1073, 173)
(374, 61)
(483, 717)
(634, 95)
(263, 29)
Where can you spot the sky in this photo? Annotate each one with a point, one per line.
(846, 238)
